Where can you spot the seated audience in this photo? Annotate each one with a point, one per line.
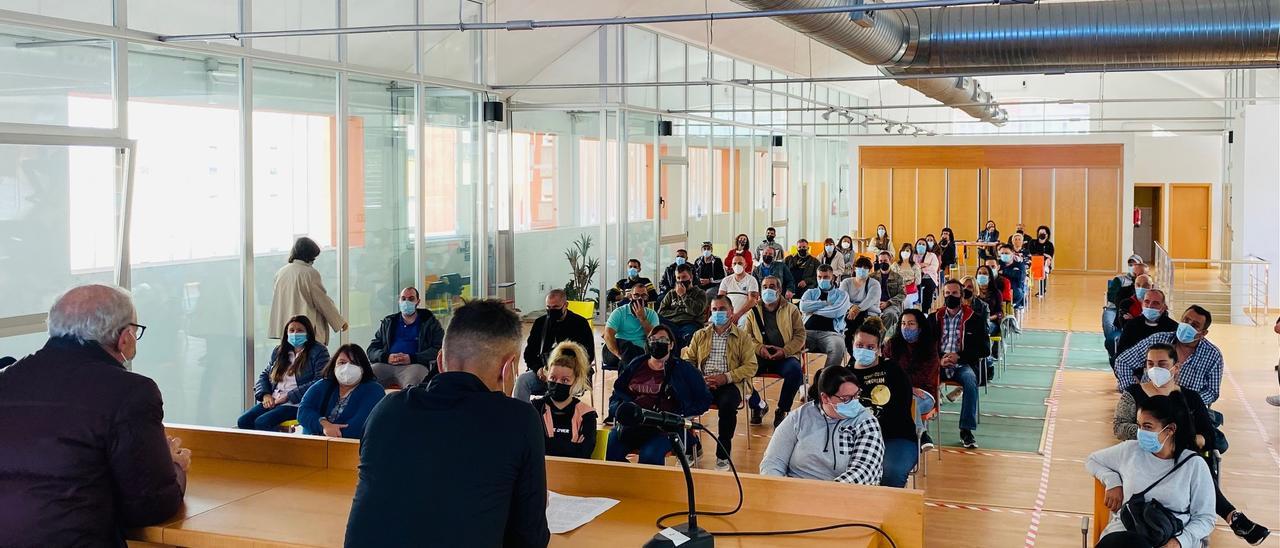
(708, 271)
(963, 344)
(659, 381)
(864, 297)
(907, 268)
(295, 365)
(743, 291)
(406, 344)
(990, 290)
(626, 330)
(946, 252)
(847, 255)
(741, 248)
(1002, 283)
(833, 437)
(803, 266)
(668, 281)
(1154, 318)
(558, 325)
(683, 309)
(1163, 467)
(989, 235)
(914, 350)
(897, 426)
(892, 295)
(777, 327)
(880, 242)
(930, 273)
(832, 257)
(1130, 307)
(824, 308)
(568, 422)
(769, 265)
(84, 455)
(1015, 271)
(726, 357)
(770, 235)
(455, 462)
(1160, 379)
(1041, 246)
(338, 404)
(621, 291)
(1118, 288)
(1201, 369)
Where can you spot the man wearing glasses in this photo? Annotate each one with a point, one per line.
(85, 454)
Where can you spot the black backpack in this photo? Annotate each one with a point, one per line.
(1150, 519)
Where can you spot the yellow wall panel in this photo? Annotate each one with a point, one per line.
(1104, 219)
(1069, 225)
(931, 213)
(1037, 198)
(874, 205)
(1003, 199)
(904, 206)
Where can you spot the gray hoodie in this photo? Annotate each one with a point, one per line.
(809, 444)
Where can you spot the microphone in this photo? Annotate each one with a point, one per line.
(630, 414)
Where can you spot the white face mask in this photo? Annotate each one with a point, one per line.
(348, 373)
(844, 245)
(905, 255)
(739, 269)
(1159, 376)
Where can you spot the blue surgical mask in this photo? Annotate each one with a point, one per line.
(1151, 314)
(860, 272)
(851, 409)
(824, 285)
(880, 232)
(1186, 333)
(719, 317)
(920, 248)
(706, 253)
(408, 308)
(633, 272)
(681, 260)
(911, 334)
(982, 279)
(1006, 258)
(296, 340)
(1140, 292)
(1150, 441)
(769, 296)
(864, 356)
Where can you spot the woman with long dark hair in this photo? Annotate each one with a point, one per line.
(295, 364)
(338, 404)
(910, 272)
(914, 349)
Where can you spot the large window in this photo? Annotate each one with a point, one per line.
(41, 75)
(534, 163)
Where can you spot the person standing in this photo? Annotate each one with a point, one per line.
(405, 346)
(84, 454)
(299, 291)
(770, 234)
(467, 489)
(559, 324)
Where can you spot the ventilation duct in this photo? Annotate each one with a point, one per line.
(1049, 37)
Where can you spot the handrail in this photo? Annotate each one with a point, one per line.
(1253, 296)
(1220, 261)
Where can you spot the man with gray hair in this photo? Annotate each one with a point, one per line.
(85, 455)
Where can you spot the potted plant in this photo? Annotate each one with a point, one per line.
(583, 299)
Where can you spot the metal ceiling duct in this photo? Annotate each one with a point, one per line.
(1142, 34)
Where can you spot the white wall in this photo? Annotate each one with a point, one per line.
(1254, 176)
(1184, 159)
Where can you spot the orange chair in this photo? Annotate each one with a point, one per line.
(1101, 515)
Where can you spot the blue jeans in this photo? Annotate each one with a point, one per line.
(792, 377)
(969, 383)
(649, 451)
(923, 405)
(900, 456)
(261, 418)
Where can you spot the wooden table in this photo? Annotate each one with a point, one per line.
(257, 489)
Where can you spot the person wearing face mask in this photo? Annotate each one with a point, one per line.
(971, 298)
(668, 281)
(963, 345)
(708, 271)
(1118, 289)
(1015, 271)
(661, 381)
(568, 423)
(777, 327)
(988, 290)
(930, 273)
(1161, 466)
(769, 265)
(946, 252)
(626, 331)
(84, 455)
(683, 309)
(477, 455)
(824, 308)
(803, 266)
(338, 405)
(1002, 284)
(294, 366)
(726, 356)
(892, 294)
(741, 248)
(831, 438)
(896, 424)
(864, 296)
(556, 326)
(1153, 318)
(880, 242)
(832, 257)
(991, 236)
(1202, 361)
(404, 347)
(770, 242)
(914, 350)
(621, 290)
(909, 270)
(847, 255)
(1042, 246)
(1018, 230)
(742, 289)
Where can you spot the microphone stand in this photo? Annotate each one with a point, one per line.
(698, 537)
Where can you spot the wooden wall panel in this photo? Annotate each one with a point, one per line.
(1037, 198)
(904, 206)
(1069, 224)
(1104, 219)
(992, 156)
(874, 204)
(1003, 199)
(962, 203)
(1189, 237)
(931, 213)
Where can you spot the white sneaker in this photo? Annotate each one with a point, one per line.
(1274, 400)
(722, 465)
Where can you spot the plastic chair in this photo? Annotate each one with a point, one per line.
(290, 426)
(602, 444)
(764, 386)
(586, 309)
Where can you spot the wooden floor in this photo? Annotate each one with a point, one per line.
(987, 498)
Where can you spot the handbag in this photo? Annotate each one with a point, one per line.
(1150, 519)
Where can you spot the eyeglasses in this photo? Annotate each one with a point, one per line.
(844, 399)
(140, 330)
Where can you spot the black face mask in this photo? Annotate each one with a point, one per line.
(968, 294)
(952, 301)
(686, 283)
(768, 259)
(1043, 237)
(557, 391)
(769, 239)
(555, 314)
(804, 251)
(659, 349)
(882, 266)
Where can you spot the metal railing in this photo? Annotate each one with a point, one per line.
(1245, 284)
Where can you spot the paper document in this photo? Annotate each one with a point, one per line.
(566, 513)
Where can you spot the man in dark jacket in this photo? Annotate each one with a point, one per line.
(478, 476)
(621, 290)
(84, 454)
(963, 344)
(404, 349)
(559, 324)
(1154, 319)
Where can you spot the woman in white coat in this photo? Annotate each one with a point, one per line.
(299, 292)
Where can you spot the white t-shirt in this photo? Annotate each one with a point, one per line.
(739, 290)
(287, 384)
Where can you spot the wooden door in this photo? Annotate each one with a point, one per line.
(1003, 199)
(931, 212)
(1069, 219)
(1104, 219)
(904, 206)
(874, 204)
(1189, 232)
(1037, 199)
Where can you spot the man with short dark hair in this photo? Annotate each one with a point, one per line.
(824, 307)
(1014, 270)
(769, 265)
(480, 475)
(709, 271)
(622, 289)
(963, 344)
(1153, 319)
(1201, 361)
(770, 235)
(668, 281)
(777, 327)
(726, 356)
(804, 267)
(627, 330)
(558, 324)
(404, 348)
(684, 308)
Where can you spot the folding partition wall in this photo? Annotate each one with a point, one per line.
(1073, 189)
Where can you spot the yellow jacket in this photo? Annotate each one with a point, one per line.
(740, 353)
(790, 324)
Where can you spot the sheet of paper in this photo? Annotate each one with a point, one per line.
(676, 537)
(566, 513)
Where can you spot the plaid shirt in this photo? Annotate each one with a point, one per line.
(951, 331)
(864, 444)
(717, 362)
(1201, 372)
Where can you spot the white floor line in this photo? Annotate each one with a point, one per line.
(1033, 530)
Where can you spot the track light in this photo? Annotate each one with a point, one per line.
(865, 121)
(827, 115)
(888, 128)
(902, 129)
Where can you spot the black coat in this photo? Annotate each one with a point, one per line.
(83, 451)
(975, 343)
(543, 338)
(430, 339)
